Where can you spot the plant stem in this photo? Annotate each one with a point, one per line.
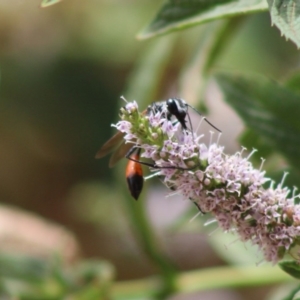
(151, 247)
(192, 281)
(142, 85)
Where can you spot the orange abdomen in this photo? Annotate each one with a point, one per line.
(134, 175)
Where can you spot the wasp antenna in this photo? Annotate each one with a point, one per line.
(194, 109)
(213, 126)
(198, 112)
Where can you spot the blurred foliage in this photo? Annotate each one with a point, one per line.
(24, 277)
(46, 3)
(285, 14)
(178, 15)
(63, 70)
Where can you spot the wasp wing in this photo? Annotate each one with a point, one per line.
(119, 153)
(110, 145)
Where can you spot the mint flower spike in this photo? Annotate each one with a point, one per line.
(227, 186)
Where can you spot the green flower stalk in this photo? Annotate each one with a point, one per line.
(227, 186)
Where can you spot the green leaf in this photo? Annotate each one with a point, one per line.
(291, 267)
(285, 14)
(177, 15)
(269, 109)
(46, 3)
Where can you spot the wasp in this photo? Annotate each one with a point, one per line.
(176, 108)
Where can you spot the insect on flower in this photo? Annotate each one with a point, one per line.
(173, 107)
(226, 186)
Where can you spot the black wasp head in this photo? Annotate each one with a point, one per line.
(179, 109)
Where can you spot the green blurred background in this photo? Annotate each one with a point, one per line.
(63, 70)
